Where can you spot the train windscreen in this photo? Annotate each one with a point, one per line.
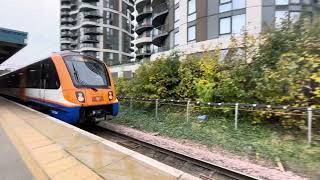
(87, 72)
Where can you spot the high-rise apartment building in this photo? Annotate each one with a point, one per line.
(192, 26)
(188, 26)
(100, 28)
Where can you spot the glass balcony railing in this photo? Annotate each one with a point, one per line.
(160, 30)
(92, 31)
(84, 45)
(92, 14)
(143, 51)
(159, 9)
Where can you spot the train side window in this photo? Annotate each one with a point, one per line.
(51, 75)
(33, 76)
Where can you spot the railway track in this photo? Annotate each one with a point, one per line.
(195, 167)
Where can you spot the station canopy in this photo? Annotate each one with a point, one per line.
(11, 41)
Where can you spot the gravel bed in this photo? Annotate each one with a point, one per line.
(213, 155)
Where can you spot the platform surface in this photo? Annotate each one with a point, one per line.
(12, 167)
(52, 149)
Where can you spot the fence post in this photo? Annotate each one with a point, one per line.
(130, 108)
(188, 109)
(236, 112)
(309, 126)
(157, 105)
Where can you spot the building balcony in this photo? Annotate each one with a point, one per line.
(92, 31)
(67, 20)
(157, 2)
(65, 47)
(145, 12)
(74, 44)
(92, 14)
(143, 53)
(65, 6)
(89, 47)
(74, 35)
(159, 34)
(160, 49)
(142, 3)
(88, 6)
(65, 14)
(90, 22)
(142, 40)
(93, 54)
(66, 41)
(74, 6)
(66, 26)
(90, 1)
(89, 39)
(142, 27)
(66, 34)
(160, 13)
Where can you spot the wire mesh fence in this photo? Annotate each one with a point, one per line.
(195, 107)
(231, 126)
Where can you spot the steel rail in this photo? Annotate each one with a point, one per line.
(194, 166)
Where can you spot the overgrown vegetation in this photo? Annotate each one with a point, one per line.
(279, 67)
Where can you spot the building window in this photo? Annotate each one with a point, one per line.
(191, 33)
(192, 10)
(126, 24)
(225, 25)
(114, 75)
(112, 4)
(238, 4)
(112, 19)
(280, 16)
(223, 54)
(225, 5)
(126, 43)
(308, 2)
(282, 2)
(127, 74)
(111, 58)
(176, 17)
(235, 25)
(176, 39)
(238, 24)
(294, 16)
(228, 5)
(295, 1)
(112, 39)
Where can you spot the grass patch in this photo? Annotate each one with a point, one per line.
(258, 142)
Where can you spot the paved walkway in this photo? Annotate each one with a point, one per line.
(55, 150)
(12, 166)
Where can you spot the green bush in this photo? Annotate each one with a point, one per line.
(279, 67)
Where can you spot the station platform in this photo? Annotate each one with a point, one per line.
(37, 146)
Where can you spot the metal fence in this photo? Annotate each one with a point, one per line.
(281, 110)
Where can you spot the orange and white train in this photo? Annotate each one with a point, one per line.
(69, 86)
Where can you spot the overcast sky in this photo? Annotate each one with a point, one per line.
(40, 18)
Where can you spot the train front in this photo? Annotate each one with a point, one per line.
(92, 88)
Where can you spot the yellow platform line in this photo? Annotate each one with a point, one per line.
(44, 158)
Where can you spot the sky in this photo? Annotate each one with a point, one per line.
(40, 18)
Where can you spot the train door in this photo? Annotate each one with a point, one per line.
(42, 82)
(45, 78)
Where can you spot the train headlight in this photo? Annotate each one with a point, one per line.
(110, 95)
(80, 97)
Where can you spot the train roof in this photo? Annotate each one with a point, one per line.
(61, 53)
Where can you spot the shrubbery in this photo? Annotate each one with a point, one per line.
(279, 67)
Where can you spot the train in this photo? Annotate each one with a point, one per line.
(69, 86)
